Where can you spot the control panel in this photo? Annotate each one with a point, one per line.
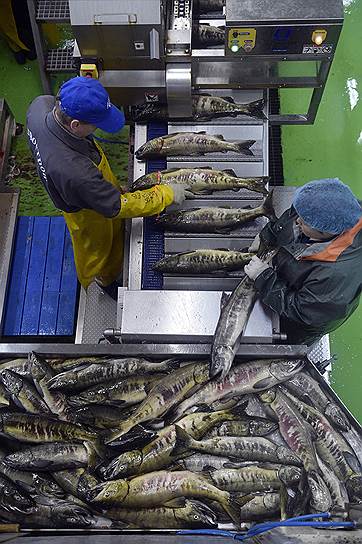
(280, 40)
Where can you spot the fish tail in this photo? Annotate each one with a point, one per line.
(232, 508)
(259, 185)
(268, 207)
(244, 147)
(112, 437)
(255, 109)
(183, 442)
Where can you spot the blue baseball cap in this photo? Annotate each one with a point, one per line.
(86, 99)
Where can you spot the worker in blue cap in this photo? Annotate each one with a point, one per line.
(76, 173)
(314, 282)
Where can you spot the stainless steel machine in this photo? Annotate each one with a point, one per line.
(153, 52)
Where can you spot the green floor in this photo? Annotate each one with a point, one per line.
(329, 148)
(332, 147)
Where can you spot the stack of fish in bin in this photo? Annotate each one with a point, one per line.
(134, 443)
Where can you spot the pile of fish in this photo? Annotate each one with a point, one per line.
(191, 143)
(132, 443)
(204, 106)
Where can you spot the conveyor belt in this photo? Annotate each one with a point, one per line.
(153, 235)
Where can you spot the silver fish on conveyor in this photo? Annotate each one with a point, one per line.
(244, 378)
(297, 435)
(191, 143)
(52, 457)
(205, 35)
(256, 449)
(205, 106)
(201, 181)
(203, 261)
(221, 220)
(308, 389)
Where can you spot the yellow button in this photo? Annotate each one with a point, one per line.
(319, 36)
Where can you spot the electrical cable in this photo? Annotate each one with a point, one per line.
(299, 521)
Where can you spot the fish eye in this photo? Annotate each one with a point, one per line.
(107, 494)
(196, 517)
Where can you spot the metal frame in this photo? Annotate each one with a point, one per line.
(7, 131)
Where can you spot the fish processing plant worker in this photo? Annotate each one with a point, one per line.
(315, 280)
(79, 180)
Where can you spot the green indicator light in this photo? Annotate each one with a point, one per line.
(235, 48)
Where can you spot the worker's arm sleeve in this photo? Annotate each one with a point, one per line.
(269, 234)
(317, 302)
(148, 202)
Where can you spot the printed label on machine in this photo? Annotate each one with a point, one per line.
(317, 49)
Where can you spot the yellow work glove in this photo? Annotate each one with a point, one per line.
(148, 202)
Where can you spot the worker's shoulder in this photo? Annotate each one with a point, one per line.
(41, 105)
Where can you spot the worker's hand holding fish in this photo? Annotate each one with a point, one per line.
(255, 267)
(180, 192)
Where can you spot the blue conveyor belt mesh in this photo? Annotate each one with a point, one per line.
(153, 235)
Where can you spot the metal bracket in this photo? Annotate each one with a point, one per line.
(178, 89)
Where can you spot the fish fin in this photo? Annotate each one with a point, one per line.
(352, 461)
(255, 109)
(222, 249)
(201, 94)
(268, 207)
(171, 364)
(224, 300)
(175, 503)
(219, 136)
(202, 192)
(244, 147)
(239, 409)
(229, 99)
(241, 500)
(201, 132)
(263, 384)
(203, 408)
(232, 509)
(232, 464)
(260, 185)
(208, 469)
(231, 172)
(204, 168)
(183, 442)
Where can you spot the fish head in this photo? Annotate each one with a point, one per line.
(152, 147)
(195, 514)
(12, 382)
(146, 181)
(47, 486)
(354, 488)
(221, 360)
(124, 465)
(282, 370)
(290, 475)
(13, 499)
(261, 428)
(91, 396)
(69, 514)
(321, 499)
(287, 456)
(201, 372)
(40, 369)
(268, 396)
(19, 458)
(334, 413)
(108, 492)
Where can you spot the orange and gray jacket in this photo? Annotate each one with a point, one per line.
(314, 287)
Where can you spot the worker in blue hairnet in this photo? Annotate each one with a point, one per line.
(76, 173)
(314, 282)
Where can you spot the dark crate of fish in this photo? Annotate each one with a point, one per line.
(85, 419)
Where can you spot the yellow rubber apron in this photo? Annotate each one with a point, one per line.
(8, 27)
(97, 240)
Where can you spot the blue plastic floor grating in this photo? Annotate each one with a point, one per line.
(153, 235)
(43, 284)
